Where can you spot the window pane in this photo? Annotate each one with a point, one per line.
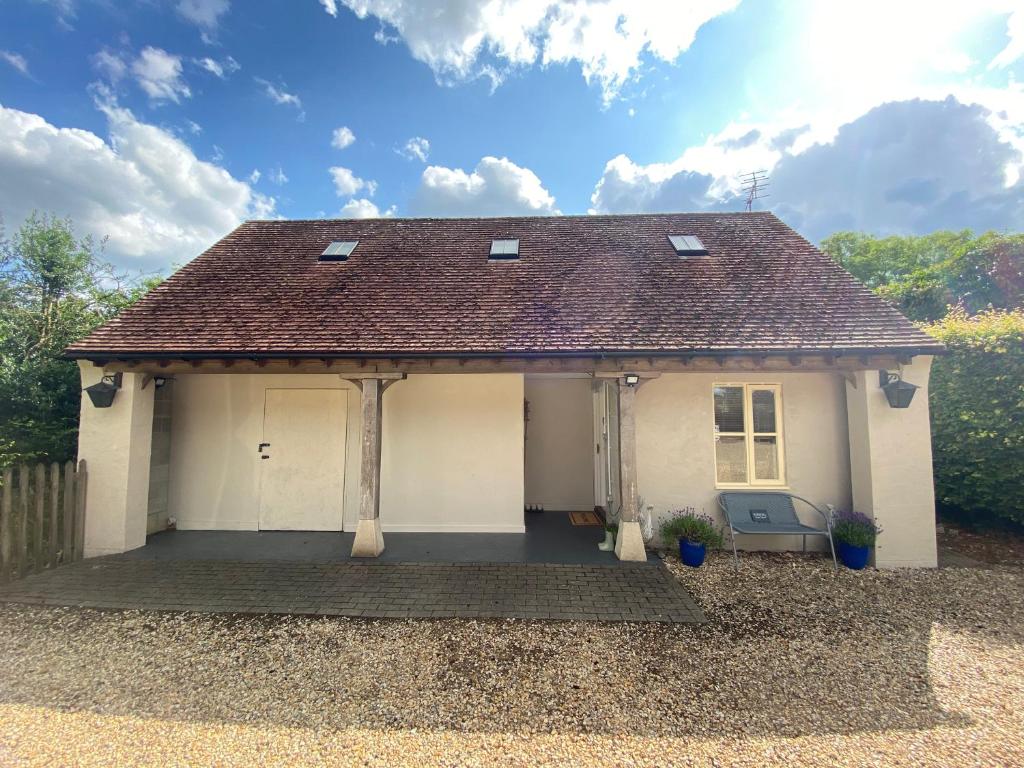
(729, 409)
(766, 458)
(763, 401)
(731, 453)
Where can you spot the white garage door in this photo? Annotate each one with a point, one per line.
(302, 472)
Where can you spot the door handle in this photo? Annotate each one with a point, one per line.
(262, 446)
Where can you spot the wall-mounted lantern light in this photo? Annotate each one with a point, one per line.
(898, 392)
(631, 379)
(102, 394)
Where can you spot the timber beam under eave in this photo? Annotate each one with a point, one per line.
(685, 363)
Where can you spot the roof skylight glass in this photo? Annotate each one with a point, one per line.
(688, 245)
(339, 250)
(504, 249)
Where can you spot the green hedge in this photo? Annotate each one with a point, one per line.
(977, 408)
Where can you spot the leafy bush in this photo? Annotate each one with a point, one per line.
(854, 528)
(687, 524)
(977, 408)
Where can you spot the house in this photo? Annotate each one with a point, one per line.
(441, 374)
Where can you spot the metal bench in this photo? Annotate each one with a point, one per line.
(770, 513)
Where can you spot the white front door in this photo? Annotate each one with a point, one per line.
(302, 464)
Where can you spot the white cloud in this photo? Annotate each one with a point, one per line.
(496, 187)
(900, 168)
(110, 65)
(914, 45)
(158, 73)
(16, 60)
(608, 39)
(254, 177)
(342, 137)
(1014, 49)
(219, 68)
(194, 127)
(281, 96)
(331, 6)
(347, 184)
(416, 148)
(205, 14)
(145, 188)
(361, 208)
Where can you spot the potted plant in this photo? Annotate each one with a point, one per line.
(695, 534)
(609, 538)
(854, 534)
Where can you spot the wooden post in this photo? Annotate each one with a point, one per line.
(6, 516)
(629, 543)
(81, 484)
(21, 549)
(369, 541)
(54, 511)
(67, 540)
(37, 532)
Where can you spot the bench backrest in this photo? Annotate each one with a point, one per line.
(758, 509)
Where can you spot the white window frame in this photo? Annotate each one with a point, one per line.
(749, 434)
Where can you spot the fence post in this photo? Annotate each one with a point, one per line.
(81, 481)
(54, 509)
(6, 516)
(21, 555)
(67, 546)
(37, 533)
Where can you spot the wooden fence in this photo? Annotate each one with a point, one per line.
(42, 517)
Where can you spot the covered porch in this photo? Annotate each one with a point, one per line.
(434, 460)
(550, 538)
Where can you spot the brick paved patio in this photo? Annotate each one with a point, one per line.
(620, 592)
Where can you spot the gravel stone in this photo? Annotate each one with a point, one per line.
(795, 666)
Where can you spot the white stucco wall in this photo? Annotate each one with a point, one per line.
(452, 451)
(560, 443)
(452, 457)
(891, 460)
(676, 448)
(115, 443)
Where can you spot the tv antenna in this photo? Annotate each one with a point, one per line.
(754, 185)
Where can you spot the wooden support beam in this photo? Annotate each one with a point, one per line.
(369, 540)
(615, 366)
(629, 542)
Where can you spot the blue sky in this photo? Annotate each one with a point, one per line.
(163, 123)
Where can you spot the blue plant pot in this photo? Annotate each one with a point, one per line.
(854, 558)
(691, 554)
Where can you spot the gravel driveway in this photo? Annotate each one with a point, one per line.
(794, 667)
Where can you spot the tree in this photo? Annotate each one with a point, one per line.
(925, 275)
(54, 289)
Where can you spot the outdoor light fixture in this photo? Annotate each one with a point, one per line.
(102, 394)
(631, 379)
(898, 392)
(159, 381)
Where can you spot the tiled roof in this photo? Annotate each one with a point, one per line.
(582, 284)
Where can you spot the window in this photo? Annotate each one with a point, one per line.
(687, 246)
(504, 250)
(339, 250)
(748, 435)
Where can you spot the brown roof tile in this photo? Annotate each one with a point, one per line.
(583, 284)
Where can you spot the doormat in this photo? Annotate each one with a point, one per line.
(585, 518)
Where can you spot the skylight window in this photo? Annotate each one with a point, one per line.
(339, 250)
(504, 249)
(688, 246)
